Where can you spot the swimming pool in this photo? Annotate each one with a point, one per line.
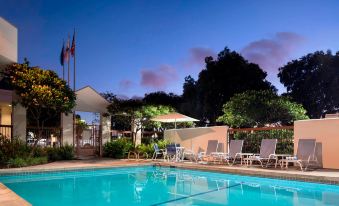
(148, 185)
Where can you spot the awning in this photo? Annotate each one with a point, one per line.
(174, 117)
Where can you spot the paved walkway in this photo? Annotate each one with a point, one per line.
(8, 197)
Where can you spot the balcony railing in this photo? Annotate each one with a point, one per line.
(6, 130)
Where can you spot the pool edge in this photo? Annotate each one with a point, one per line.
(9, 198)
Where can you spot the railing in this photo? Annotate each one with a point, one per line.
(252, 138)
(51, 136)
(6, 130)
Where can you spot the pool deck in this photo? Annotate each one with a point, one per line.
(8, 197)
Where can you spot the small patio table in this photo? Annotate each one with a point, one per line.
(278, 157)
(245, 156)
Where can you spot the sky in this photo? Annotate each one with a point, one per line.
(135, 47)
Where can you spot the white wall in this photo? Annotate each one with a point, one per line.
(8, 42)
(19, 121)
(106, 128)
(67, 128)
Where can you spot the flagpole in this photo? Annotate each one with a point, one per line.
(74, 65)
(69, 56)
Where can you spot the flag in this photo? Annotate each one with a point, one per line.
(73, 45)
(67, 50)
(62, 54)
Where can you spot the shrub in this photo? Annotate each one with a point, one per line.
(117, 148)
(23, 162)
(10, 149)
(65, 152)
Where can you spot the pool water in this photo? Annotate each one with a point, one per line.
(150, 185)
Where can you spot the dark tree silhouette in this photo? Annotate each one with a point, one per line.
(162, 98)
(229, 74)
(313, 81)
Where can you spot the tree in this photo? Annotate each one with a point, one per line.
(41, 92)
(190, 102)
(162, 98)
(313, 81)
(229, 74)
(260, 108)
(138, 113)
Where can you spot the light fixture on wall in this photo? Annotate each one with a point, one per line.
(9, 105)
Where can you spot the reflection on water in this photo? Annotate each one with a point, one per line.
(166, 186)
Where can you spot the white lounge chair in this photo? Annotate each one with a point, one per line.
(267, 152)
(305, 155)
(212, 147)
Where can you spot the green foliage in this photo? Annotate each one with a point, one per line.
(65, 152)
(41, 91)
(260, 108)
(11, 149)
(252, 140)
(23, 162)
(117, 148)
(229, 74)
(313, 81)
(17, 153)
(162, 98)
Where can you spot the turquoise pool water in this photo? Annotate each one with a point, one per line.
(150, 185)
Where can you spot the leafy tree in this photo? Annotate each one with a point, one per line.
(313, 81)
(260, 108)
(138, 113)
(41, 92)
(229, 74)
(190, 102)
(162, 98)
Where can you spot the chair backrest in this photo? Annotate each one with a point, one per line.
(212, 146)
(267, 147)
(171, 149)
(155, 147)
(306, 149)
(220, 147)
(235, 147)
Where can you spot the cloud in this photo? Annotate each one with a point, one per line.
(125, 84)
(158, 78)
(197, 56)
(272, 53)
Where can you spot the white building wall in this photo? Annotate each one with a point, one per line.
(106, 128)
(67, 128)
(8, 42)
(19, 121)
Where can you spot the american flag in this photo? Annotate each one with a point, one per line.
(73, 45)
(67, 50)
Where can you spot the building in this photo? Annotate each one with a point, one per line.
(13, 120)
(12, 117)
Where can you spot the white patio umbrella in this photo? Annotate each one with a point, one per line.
(174, 117)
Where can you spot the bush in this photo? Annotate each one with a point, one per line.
(23, 162)
(117, 148)
(11, 149)
(65, 152)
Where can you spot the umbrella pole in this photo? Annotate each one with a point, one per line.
(175, 124)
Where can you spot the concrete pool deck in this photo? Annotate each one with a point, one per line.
(8, 197)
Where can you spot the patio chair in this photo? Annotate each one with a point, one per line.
(212, 147)
(157, 151)
(170, 151)
(267, 152)
(234, 151)
(190, 154)
(305, 154)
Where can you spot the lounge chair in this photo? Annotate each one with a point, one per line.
(234, 151)
(305, 154)
(267, 152)
(212, 147)
(189, 154)
(157, 151)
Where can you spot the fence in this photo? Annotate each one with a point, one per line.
(252, 138)
(6, 130)
(51, 136)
